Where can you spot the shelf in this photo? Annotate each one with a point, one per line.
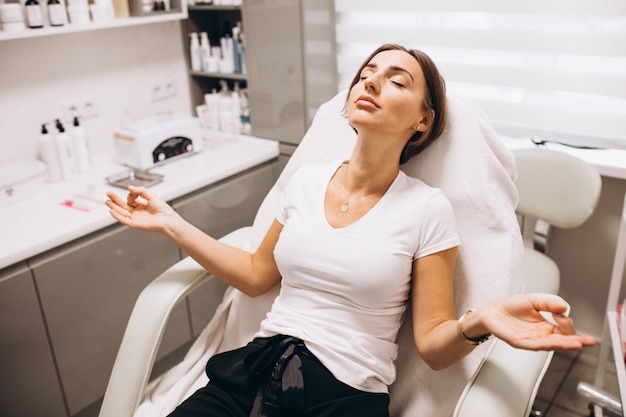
(209, 8)
(618, 354)
(225, 75)
(114, 23)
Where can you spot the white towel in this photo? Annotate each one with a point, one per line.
(475, 171)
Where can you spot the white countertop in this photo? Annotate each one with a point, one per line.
(42, 222)
(608, 162)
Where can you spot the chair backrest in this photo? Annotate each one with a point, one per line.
(555, 187)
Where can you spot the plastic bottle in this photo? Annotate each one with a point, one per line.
(194, 50)
(227, 63)
(33, 14)
(236, 108)
(48, 154)
(211, 100)
(81, 148)
(56, 13)
(205, 52)
(225, 108)
(237, 48)
(246, 127)
(63, 144)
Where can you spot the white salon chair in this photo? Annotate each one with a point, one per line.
(476, 172)
(556, 189)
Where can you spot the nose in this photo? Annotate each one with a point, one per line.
(371, 83)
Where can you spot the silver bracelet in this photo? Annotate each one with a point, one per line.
(471, 341)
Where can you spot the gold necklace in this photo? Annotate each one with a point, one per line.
(346, 206)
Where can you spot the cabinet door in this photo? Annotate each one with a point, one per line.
(30, 385)
(88, 289)
(218, 210)
(274, 49)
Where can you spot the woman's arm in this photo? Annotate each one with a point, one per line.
(514, 319)
(253, 274)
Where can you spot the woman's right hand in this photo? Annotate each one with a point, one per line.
(141, 210)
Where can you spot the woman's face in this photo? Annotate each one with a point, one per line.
(389, 95)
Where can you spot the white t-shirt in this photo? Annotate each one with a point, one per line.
(344, 290)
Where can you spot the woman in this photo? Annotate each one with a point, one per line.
(327, 346)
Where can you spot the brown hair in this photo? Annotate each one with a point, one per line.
(434, 99)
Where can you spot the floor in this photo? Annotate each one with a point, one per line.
(557, 395)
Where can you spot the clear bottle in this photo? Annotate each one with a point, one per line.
(194, 50)
(81, 148)
(55, 13)
(48, 154)
(33, 14)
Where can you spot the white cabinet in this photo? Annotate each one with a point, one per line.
(87, 290)
(30, 386)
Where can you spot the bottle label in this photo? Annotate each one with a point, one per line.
(56, 14)
(35, 18)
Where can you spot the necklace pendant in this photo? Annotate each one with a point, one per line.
(344, 207)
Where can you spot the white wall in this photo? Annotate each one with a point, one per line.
(116, 67)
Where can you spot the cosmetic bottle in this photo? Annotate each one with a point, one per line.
(212, 111)
(205, 51)
(81, 148)
(63, 144)
(194, 51)
(33, 14)
(236, 55)
(227, 63)
(246, 127)
(48, 154)
(225, 108)
(236, 108)
(55, 13)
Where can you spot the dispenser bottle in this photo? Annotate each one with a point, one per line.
(56, 13)
(236, 108)
(211, 100)
(33, 14)
(48, 154)
(205, 52)
(81, 148)
(225, 108)
(194, 50)
(63, 144)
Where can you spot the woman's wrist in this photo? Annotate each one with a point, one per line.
(470, 329)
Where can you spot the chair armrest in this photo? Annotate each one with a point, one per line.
(506, 382)
(145, 328)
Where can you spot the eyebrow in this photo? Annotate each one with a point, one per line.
(393, 68)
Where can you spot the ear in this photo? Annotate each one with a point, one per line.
(426, 121)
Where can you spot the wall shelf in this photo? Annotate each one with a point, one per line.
(114, 23)
(225, 75)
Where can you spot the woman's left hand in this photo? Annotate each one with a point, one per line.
(517, 321)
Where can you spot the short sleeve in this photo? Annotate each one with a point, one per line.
(438, 227)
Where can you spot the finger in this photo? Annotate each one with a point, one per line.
(119, 213)
(564, 324)
(116, 200)
(140, 192)
(549, 304)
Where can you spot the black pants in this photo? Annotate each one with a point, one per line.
(244, 380)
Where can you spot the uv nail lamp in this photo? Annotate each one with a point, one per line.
(155, 140)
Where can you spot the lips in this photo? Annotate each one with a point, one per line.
(368, 99)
